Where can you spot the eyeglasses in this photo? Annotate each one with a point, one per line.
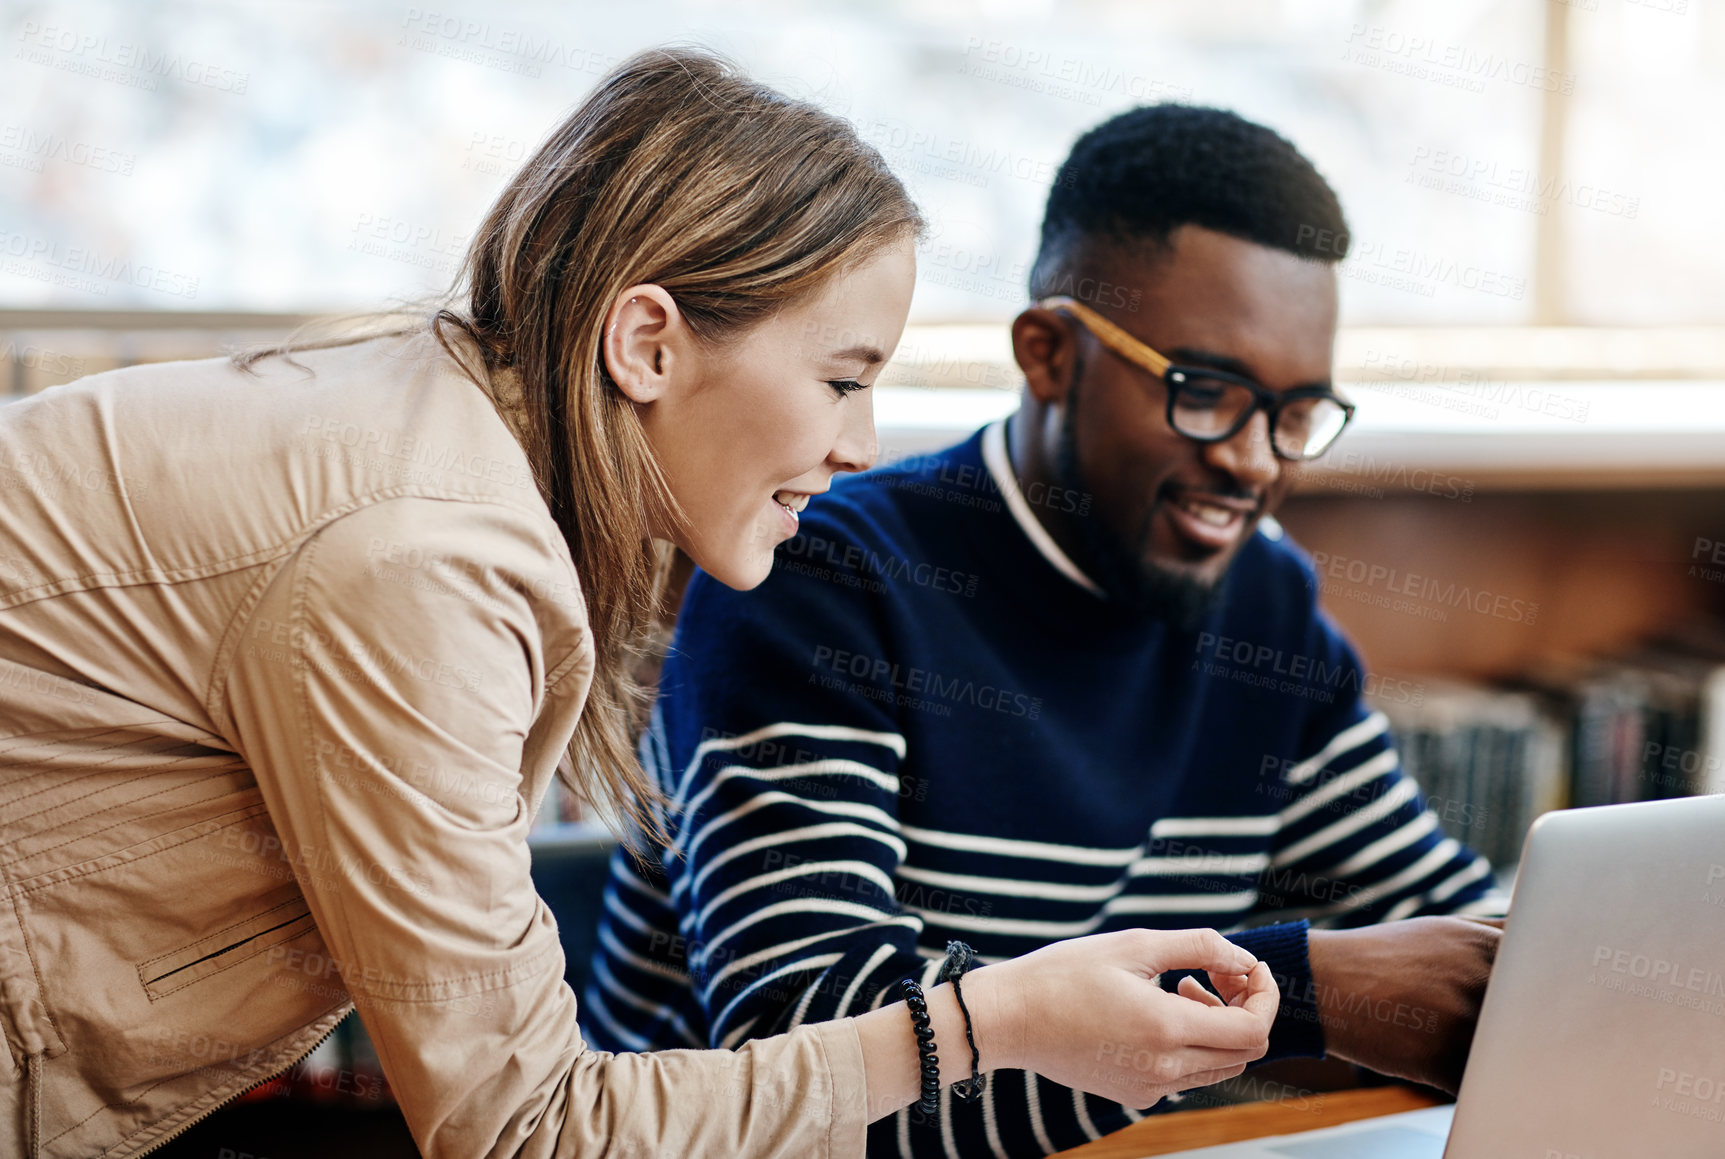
(1212, 406)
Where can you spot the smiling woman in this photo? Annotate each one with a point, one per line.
(747, 434)
(282, 689)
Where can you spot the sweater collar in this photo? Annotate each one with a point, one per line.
(999, 463)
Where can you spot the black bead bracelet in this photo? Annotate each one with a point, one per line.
(919, 1024)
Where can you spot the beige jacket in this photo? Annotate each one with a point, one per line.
(286, 666)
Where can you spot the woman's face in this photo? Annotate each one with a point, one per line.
(747, 433)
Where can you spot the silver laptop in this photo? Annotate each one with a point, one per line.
(1603, 1030)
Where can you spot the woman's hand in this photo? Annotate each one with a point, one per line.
(1089, 1013)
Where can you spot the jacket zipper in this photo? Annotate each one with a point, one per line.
(269, 1078)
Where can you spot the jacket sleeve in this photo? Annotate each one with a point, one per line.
(383, 692)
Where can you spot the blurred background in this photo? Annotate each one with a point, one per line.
(1525, 529)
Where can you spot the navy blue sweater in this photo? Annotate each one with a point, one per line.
(928, 724)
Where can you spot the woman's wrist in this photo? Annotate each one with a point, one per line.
(995, 1016)
(892, 1068)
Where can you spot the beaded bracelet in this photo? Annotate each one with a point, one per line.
(919, 1024)
(959, 958)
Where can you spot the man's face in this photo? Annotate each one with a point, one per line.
(1170, 514)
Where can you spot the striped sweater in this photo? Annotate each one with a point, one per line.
(929, 724)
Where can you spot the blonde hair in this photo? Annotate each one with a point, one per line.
(678, 170)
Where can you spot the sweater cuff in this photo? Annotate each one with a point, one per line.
(1296, 1033)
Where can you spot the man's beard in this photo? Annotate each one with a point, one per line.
(1125, 574)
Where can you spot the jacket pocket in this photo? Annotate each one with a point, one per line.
(227, 947)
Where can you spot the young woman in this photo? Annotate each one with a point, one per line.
(291, 647)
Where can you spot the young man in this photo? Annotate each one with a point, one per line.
(1066, 676)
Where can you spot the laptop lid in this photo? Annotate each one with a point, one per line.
(1603, 1029)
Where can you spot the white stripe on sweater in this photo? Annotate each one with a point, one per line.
(1348, 826)
(882, 953)
(805, 833)
(1007, 847)
(608, 982)
(817, 962)
(1214, 826)
(801, 905)
(1196, 903)
(823, 768)
(771, 952)
(803, 869)
(1384, 847)
(888, 740)
(1351, 737)
(1034, 1099)
(774, 797)
(1082, 1109)
(1332, 790)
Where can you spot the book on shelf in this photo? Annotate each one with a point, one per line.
(1570, 732)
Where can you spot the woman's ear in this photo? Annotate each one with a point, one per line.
(644, 332)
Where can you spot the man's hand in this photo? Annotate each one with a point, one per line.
(1402, 998)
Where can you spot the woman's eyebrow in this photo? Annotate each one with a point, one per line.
(867, 354)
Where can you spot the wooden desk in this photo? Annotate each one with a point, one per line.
(1183, 1130)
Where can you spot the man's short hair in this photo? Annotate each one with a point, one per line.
(1137, 177)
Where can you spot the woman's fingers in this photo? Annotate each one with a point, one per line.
(1190, 987)
(1262, 996)
(1194, 950)
(1232, 987)
(1211, 1077)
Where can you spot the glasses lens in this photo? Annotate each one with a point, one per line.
(1205, 407)
(1306, 427)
